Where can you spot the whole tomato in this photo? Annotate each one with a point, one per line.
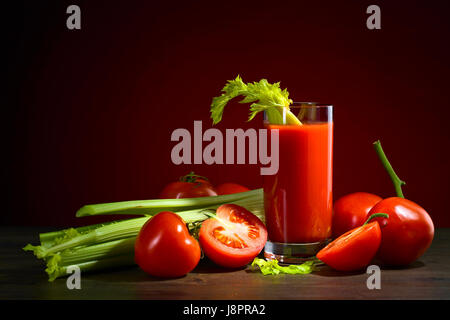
(189, 186)
(350, 211)
(406, 234)
(230, 188)
(164, 247)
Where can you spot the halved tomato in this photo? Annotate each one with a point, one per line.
(234, 237)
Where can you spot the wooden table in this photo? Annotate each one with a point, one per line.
(23, 277)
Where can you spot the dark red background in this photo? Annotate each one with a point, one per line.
(89, 113)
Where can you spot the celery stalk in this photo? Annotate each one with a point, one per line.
(94, 252)
(114, 231)
(104, 255)
(49, 239)
(111, 244)
(54, 270)
(150, 207)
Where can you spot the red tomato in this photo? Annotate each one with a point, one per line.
(190, 186)
(179, 189)
(353, 250)
(164, 247)
(234, 237)
(351, 211)
(230, 188)
(406, 235)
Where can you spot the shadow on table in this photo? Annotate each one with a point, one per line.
(135, 274)
(414, 265)
(326, 271)
(126, 274)
(207, 266)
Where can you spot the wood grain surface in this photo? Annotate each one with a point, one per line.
(23, 277)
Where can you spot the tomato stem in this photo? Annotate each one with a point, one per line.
(192, 177)
(387, 166)
(376, 215)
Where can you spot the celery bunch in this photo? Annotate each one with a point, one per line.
(111, 244)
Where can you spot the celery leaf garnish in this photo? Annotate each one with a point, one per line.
(263, 95)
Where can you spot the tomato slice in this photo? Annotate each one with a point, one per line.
(234, 237)
(353, 250)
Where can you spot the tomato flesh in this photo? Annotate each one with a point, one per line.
(234, 238)
(353, 250)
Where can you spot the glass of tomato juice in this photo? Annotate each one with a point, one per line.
(298, 199)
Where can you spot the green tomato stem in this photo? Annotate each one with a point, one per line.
(192, 177)
(387, 166)
(376, 215)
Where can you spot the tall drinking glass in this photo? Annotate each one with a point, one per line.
(298, 199)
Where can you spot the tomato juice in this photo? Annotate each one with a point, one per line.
(298, 198)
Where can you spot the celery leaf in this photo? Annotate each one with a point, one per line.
(263, 95)
(272, 267)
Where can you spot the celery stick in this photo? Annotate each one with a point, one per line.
(150, 207)
(98, 251)
(49, 239)
(54, 270)
(114, 231)
(99, 256)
